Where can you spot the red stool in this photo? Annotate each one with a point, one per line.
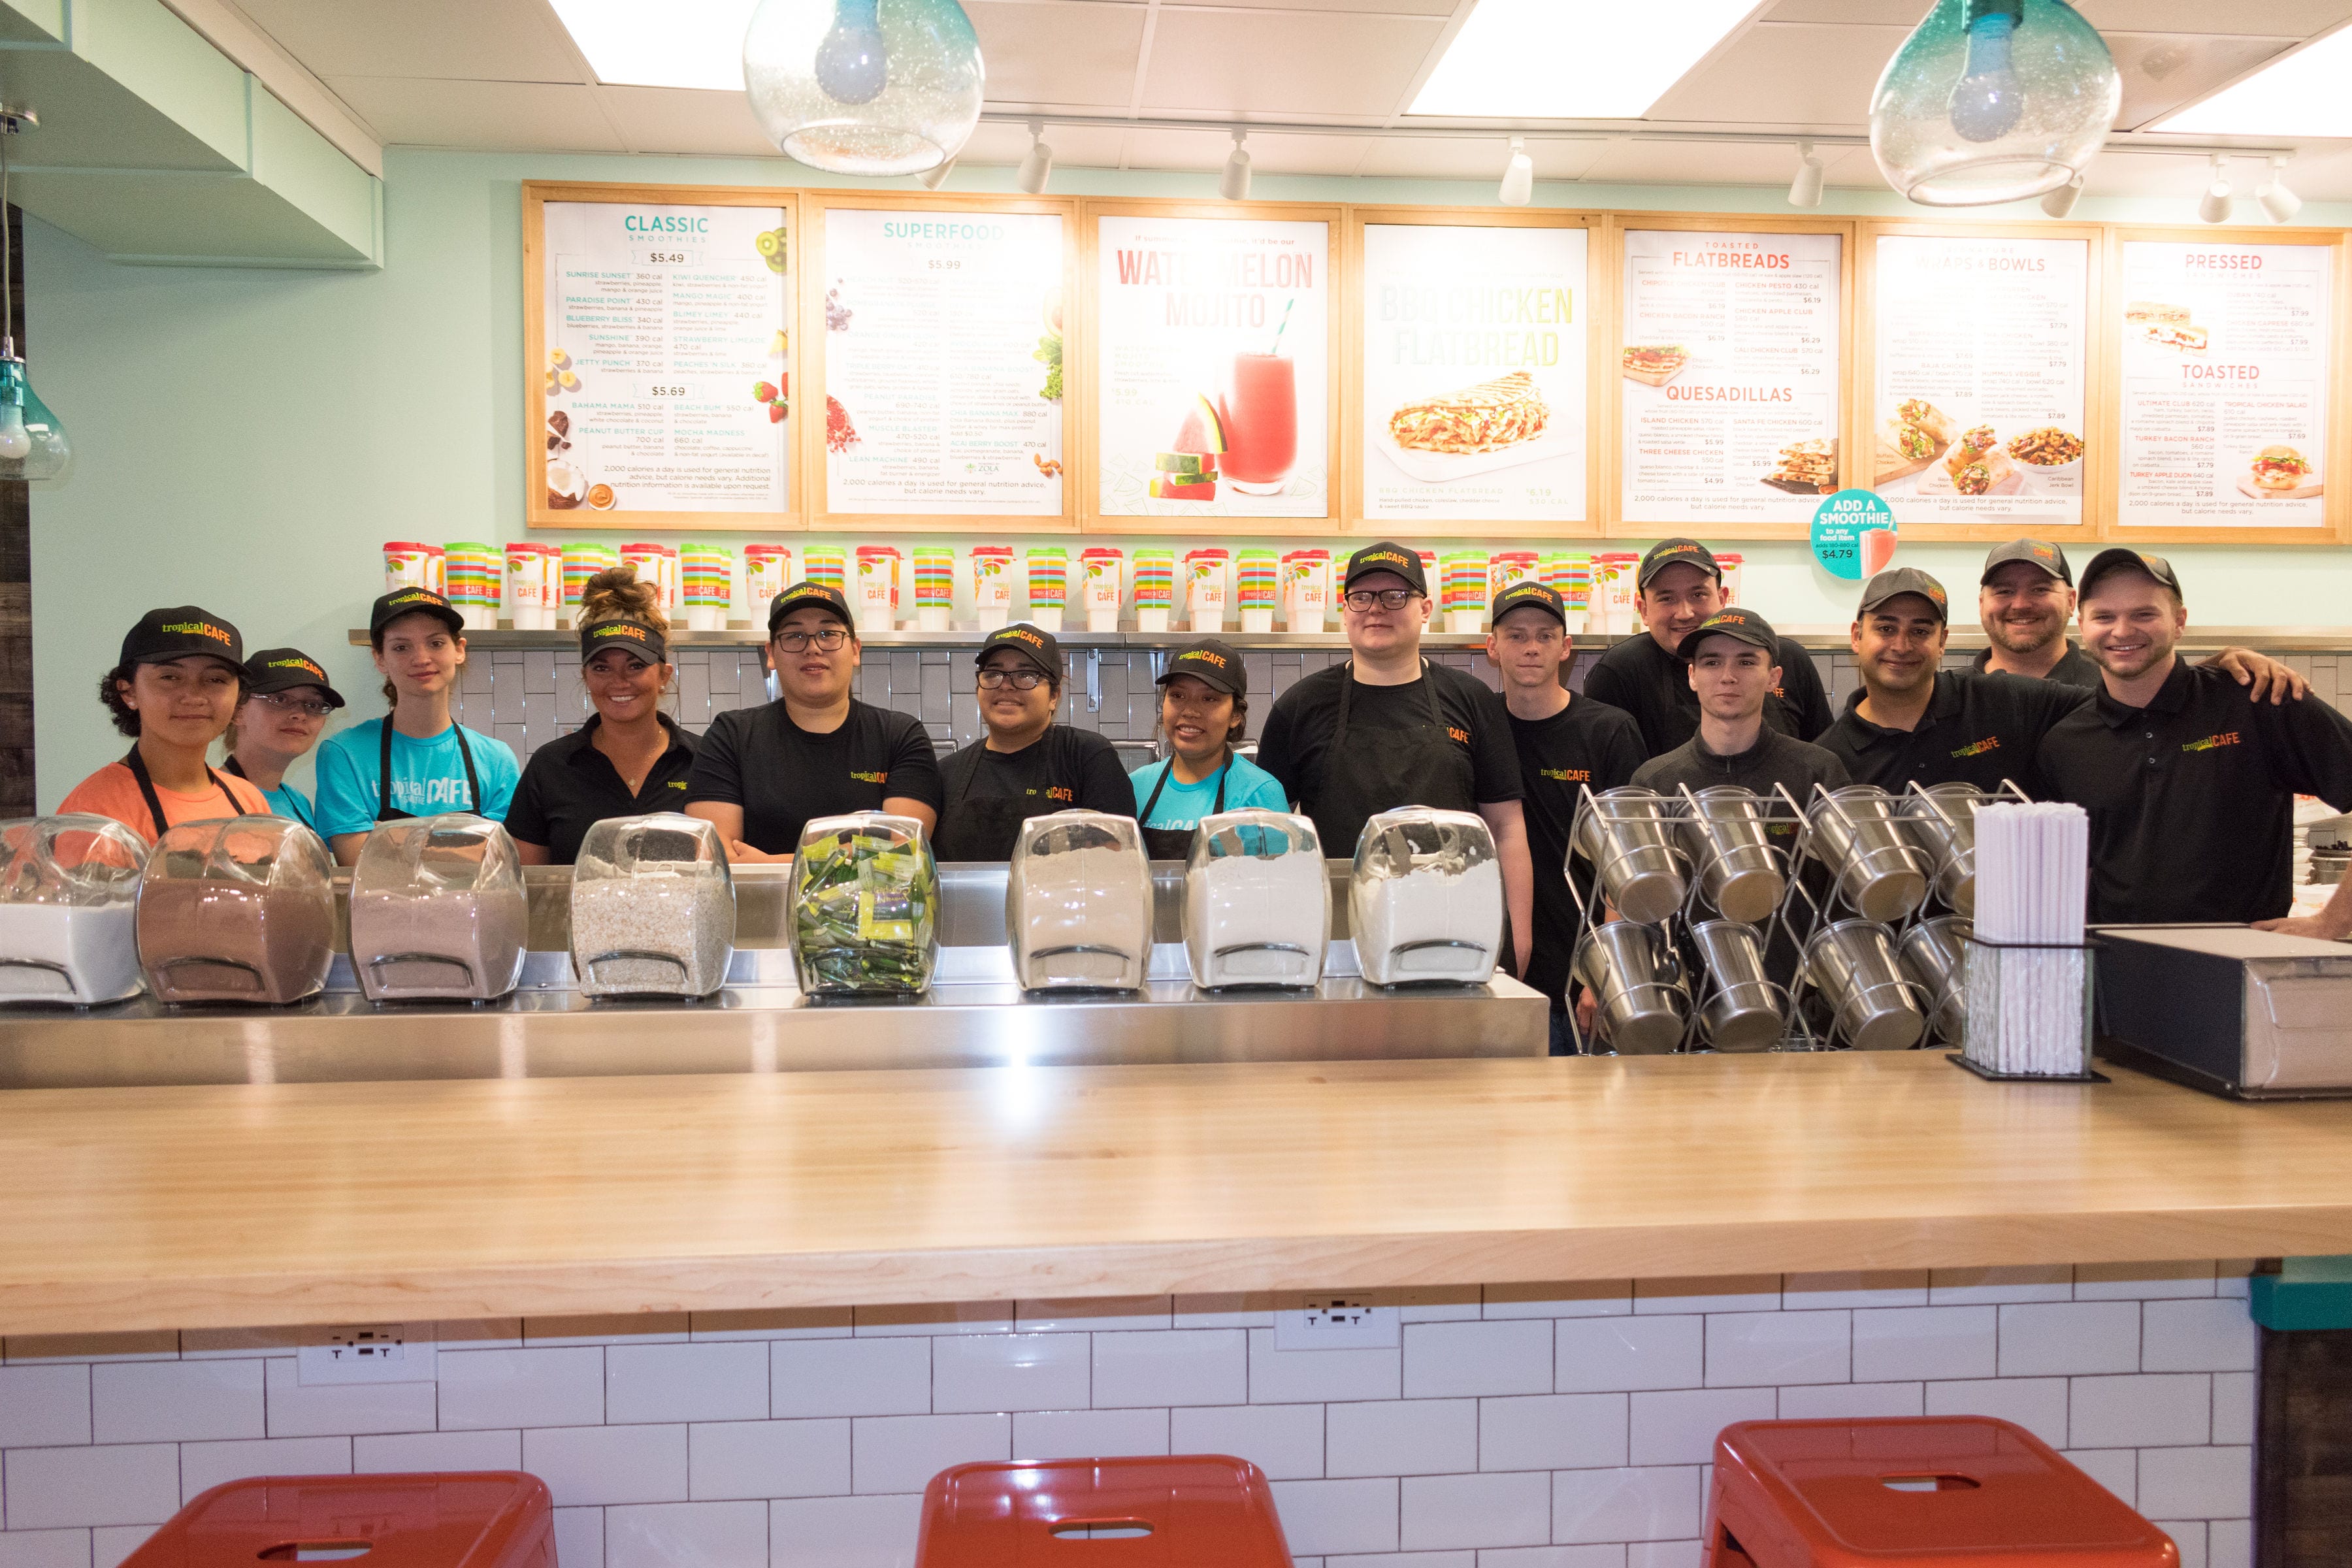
(1956, 1491)
(490, 1519)
(1102, 1513)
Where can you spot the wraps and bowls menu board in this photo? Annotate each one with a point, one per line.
(668, 376)
(1729, 361)
(1980, 346)
(942, 362)
(2224, 368)
(1473, 373)
(1215, 366)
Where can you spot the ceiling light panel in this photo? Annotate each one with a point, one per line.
(1573, 59)
(2299, 95)
(697, 44)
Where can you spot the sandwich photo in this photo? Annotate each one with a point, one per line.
(2145, 312)
(2168, 326)
(1654, 365)
(1806, 467)
(1486, 417)
(1974, 471)
(1914, 437)
(1978, 438)
(1918, 411)
(2281, 468)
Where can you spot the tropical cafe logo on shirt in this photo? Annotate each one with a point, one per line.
(419, 797)
(2211, 742)
(869, 776)
(1058, 792)
(1463, 736)
(1567, 775)
(1978, 748)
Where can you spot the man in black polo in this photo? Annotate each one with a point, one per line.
(2191, 788)
(2024, 599)
(1732, 669)
(1677, 587)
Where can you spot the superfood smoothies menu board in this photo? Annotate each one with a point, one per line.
(1729, 361)
(1980, 345)
(2224, 368)
(1215, 366)
(1474, 372)
(666, 378)
(942, 362)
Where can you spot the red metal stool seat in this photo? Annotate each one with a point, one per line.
(486, 1518)
(1102, 1513)
(1955, 1491)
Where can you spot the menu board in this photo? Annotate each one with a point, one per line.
(1729, 362)
(668, 378)
(1215, 366)
(2225, 359)
(942, 362)
(1473, 372)
(1980, 409)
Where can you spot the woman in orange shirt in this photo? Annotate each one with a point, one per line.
(176, 688)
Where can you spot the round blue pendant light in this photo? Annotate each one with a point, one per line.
(864, 87)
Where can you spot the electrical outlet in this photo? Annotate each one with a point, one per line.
(367, 1352)
(1336, 1322)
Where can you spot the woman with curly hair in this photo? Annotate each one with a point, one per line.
(174, 690)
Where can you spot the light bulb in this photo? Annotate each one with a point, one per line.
(1805, 190)
(1038, 167)
(1988, 98)
(15, 445)
(2219, 199)
(2279, 204)
(850, 64)
(1518, 176)
(1234, 185)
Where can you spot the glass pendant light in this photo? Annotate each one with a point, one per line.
(32, 444)
(864, 87)
(1993, 101)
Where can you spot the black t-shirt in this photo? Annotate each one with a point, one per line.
(782, 775)
(2192, 797)
(569, 785)
(1065, 769)
(1654, 686)
(1978, 730)
(1586, 744)
(1774, 759)
(2075, 668)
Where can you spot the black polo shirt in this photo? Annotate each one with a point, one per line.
(782, 775)
(2192, 797)
(571, 784)
(2075, 668)
(1587, 744)
(1978, 730)
(1654, 686)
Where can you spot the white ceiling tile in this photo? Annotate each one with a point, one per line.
(1367, 7)
(1903, 14)
(1786, 74)
(2260, 18)
(1472, 158)
(1047, 53)
(2162, 71)
(1284, 62)
(2322, 177)
(484, 40)
(682, 120)
(528, 116)
(1720, 163)
(1206, 150)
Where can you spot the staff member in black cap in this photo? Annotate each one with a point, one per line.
(1203, 711)
(174, 690)
(1731, 670)
(287, 703)
(2191, 788)
(1389, 728)
(1027, 765)
(2025, 598)
(630, 758)
(761, 773)
(1678, 586)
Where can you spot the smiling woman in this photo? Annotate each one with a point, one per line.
(1204, 713)
(176, 687)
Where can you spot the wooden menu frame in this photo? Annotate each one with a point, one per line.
(1599, 305)
(1611, 350)
(2098, 494)
(1077, 365)
(2335, 525)
(537, 513)
(1092, 519)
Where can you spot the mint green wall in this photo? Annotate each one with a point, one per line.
(245, 440)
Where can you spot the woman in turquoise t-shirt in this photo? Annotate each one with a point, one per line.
(415, 762)
(1203, 710)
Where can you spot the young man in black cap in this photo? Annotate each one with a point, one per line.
(174, 690)
(1730, 659)
(761, 773)
(288, 699)
(2191, 788)
(1027, 765)
(1203, 712)
(1677, 587)
(2025, 598)
(1389, 728)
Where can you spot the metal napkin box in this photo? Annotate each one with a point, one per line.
(2248, 1013)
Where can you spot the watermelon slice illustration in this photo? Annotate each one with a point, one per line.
(1172, 487)
(1204, 430)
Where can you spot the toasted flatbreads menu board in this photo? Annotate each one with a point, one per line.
(2224, 381)
(1754, 318)
(1980, 346)
(1474, 378)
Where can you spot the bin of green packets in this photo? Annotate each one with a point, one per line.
(865, 902)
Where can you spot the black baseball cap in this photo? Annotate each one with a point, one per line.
(1743, 625)
(641, 638)
(1899, 581)
(401, 602)
(1386, 556)
(806, 596)
(163, 635)
(283, 670)
(1039, 646)
(1212, 661)
(1529, 594)
(2033, 552)
(2155, 566)
(1668, 552)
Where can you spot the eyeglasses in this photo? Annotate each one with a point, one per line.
(1018, 679)
(1387, 598)
(309, 707)
(829, 639)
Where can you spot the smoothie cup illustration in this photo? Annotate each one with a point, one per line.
(1877, 550)
(1260, 408)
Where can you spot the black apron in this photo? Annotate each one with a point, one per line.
(1421, 766)
(1176, 843)
(138, 766)
(987, 829)
(383, 812)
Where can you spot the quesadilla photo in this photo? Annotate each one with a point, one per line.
(1654, 365)
(1806, 467)
(1486, 417)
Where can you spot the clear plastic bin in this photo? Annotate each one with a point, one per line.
(68, 910)
(1257, 903)
(653, 907)
(865, 902)
(1077, 903)
(240, 908)
(1426, 898)
(437, 910)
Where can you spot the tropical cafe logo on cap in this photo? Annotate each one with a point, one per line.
(2046, 551)
(199, 628)
(1201, 653)
(620, 629)
(304, 664)
(1665, 550)
(419, 597)
(1938, 595)
(1383, 555)
(1032, 638)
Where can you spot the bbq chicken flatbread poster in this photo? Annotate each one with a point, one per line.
(1474, 372)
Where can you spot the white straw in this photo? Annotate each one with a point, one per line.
(2025, 1003)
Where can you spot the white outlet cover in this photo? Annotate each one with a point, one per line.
(368, 1352)
(1337, 1320)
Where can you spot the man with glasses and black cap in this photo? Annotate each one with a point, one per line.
(1389, 728)
(288, 699)
(2024, 599)
(1026, 765)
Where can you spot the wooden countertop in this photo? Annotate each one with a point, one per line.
(201, 1207)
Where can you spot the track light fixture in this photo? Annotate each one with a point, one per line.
(2279, 204)
(2061, 202)
(1805, 190)
(1038, 167)
(1234, 183)
(2219, 197)
(1518, 176)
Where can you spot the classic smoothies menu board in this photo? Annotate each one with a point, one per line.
(667, 379)
(1473, 372)
(1215, 366)
(942, 362)
(1980, 378)
(2225, 358)
(1730, 365)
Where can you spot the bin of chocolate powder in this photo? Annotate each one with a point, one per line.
(437, 910)
(240, 908)
(653, 907)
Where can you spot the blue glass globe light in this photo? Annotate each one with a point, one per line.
(1993, 101)
(864, 87)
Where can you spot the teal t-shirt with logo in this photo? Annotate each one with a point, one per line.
(428, 777)
(1182, 806)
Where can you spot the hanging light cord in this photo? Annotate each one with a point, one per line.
(7, 261)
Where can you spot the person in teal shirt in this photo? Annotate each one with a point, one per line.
(286, 701)
(1204, 711)
(415, 762)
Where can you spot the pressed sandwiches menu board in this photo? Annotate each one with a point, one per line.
(667, 379)
(1730, 365)
(2225, 357)
(1215, 383)
(1980, 378)
(942, 362)
(1473, 372)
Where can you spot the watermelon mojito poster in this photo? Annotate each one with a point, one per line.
(1215, 366)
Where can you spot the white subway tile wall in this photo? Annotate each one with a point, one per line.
(1526, 1426)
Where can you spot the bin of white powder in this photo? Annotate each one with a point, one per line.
(1077, 903)
(1258, 905)
(68, 910)
(437, 910)
(1426, 898)
(653, 907)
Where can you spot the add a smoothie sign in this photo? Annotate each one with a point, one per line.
(1853, 534)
